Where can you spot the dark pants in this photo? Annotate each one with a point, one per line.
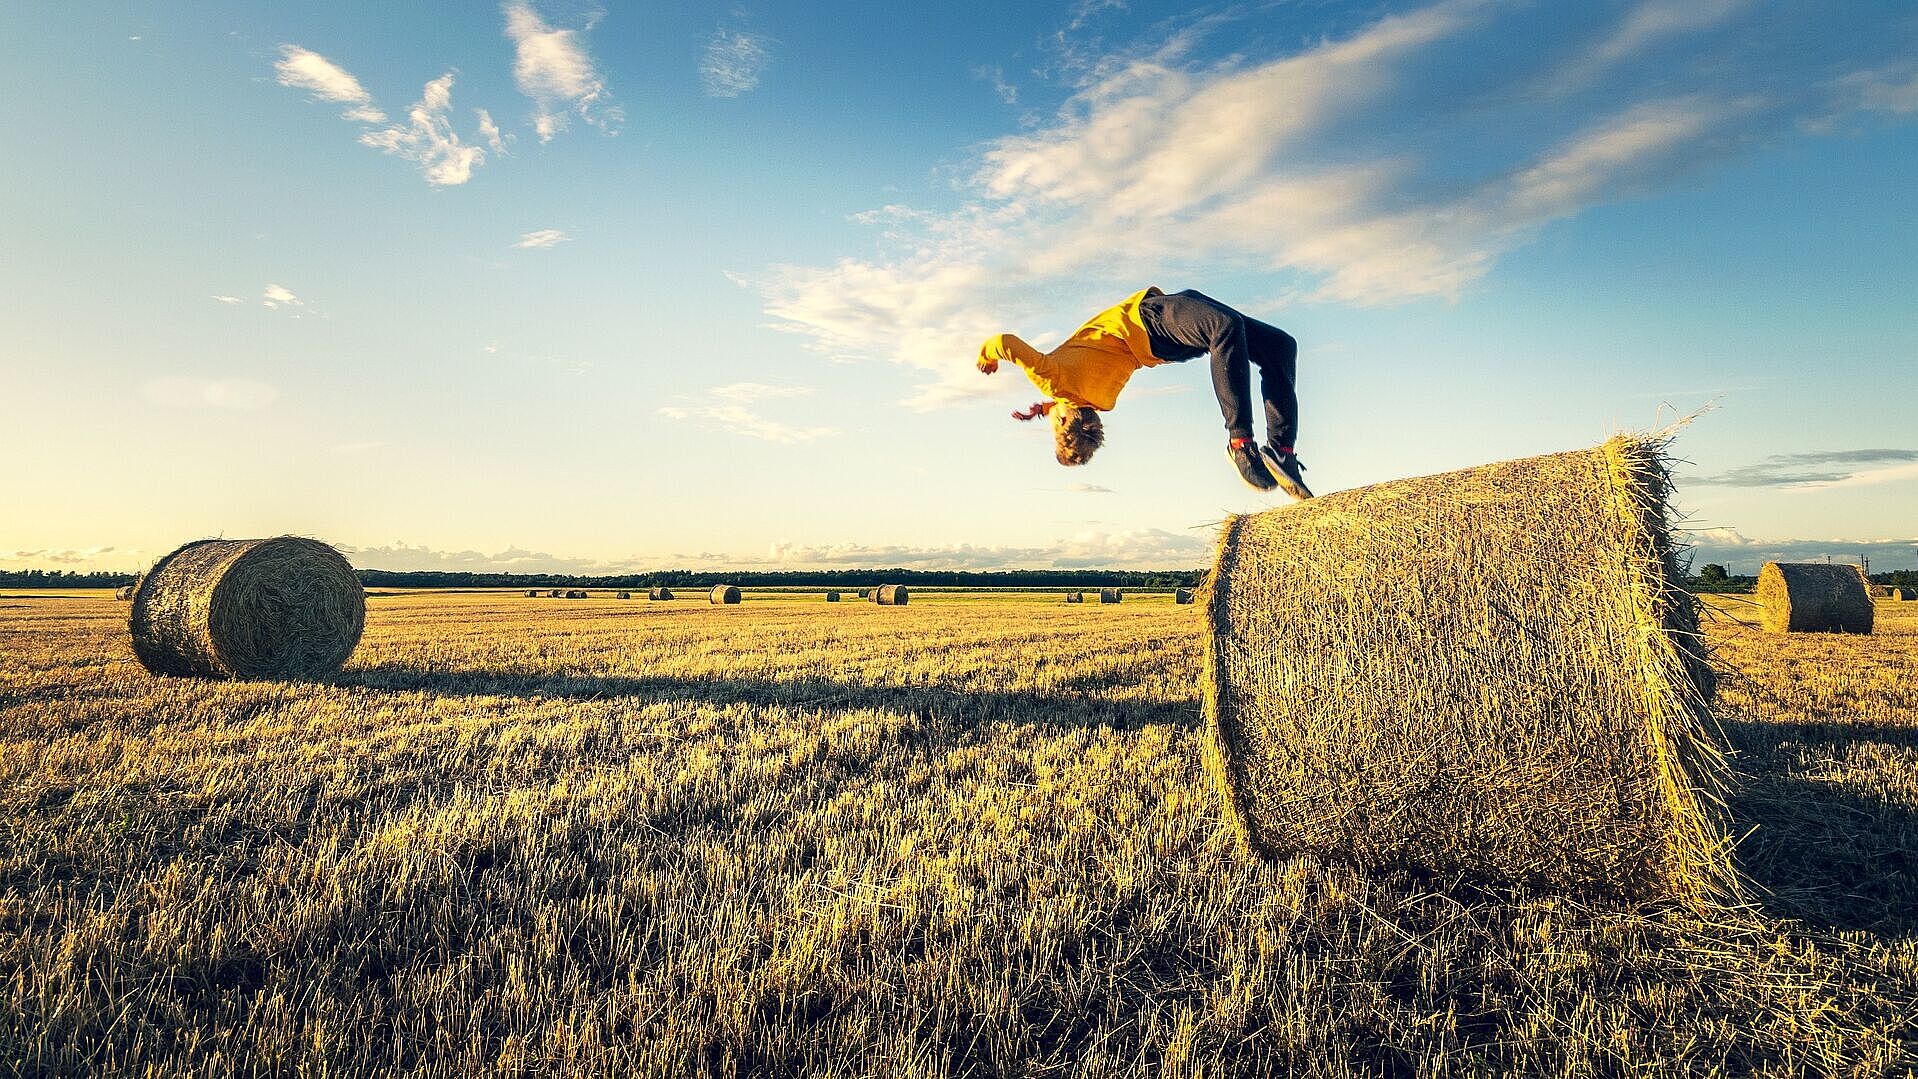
(1184, 325)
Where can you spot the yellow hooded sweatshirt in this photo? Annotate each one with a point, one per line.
(1092, 366)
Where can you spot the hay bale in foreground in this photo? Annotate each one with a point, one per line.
(1183, 595)
(890, 595)
(1490, 676)
(264, 608)
(660, 593)
(123, 593)
(1075, 597)
(724, 593)
(1813, 597)
(832, 597)
(1108, 595)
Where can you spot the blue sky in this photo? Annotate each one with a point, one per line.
(555, 286)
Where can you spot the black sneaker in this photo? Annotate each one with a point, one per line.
(1288, 473)
(1245, 457)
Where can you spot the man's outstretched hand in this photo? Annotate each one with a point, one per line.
(1037, 410)
(987, 366)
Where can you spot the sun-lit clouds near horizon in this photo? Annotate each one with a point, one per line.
(1334, 170)
(733, 410)
(1820, 469)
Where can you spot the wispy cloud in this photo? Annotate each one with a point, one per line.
(1350, 172)
(542, 238)
(427, 138)
(491, 134)
(995, 77)
(77, 558)
(733, 413)
(228, 299)
(733, 62)
(279, 296)
(304, 69)
(1088, 489)
(1826, 468)
(234, 394)
(553, 68)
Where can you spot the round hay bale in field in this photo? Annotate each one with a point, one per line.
(1813, 597)
(532, 593)
(832, 597)
(1183, 595)
(1075, 597)
(1490, 676)
(124, 592)
(865, 593)
(1902, 593)
(285, 607)
(724, 593)
(890, 595)
(1108, 595)
(574, 593)
(556, 593)
(660, 593)
(623, 595)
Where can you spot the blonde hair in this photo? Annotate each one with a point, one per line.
(1077, 432)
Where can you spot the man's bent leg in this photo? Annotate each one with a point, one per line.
(1277, 354)
(1198, 321)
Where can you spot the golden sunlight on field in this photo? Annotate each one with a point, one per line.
(971, 836)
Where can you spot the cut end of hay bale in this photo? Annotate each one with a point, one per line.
(1813, 597)
(660, 593)
(1075, 597)
(891, 595)
(724, 593)
(1489, 676)
(286, 607)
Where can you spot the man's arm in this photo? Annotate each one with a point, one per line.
(1039, 408)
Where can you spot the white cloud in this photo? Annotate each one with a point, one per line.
(428, 138)
(733, 413)
(306, 70)
(489, 131)
(228, 299)
(1740, 554)
(734, 61)
(553, 68)
(1088, 489)
(996, 78)
(235, 394)
(279, 296)
(1892, 90)
(542, 238)
(1644, 26)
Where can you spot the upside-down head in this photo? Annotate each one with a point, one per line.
(1077, 433)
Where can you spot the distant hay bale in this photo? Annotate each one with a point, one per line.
(1108, 595)
(575, 593)
(1490, 676)
(660, 593)
(864, 593)
(1183, 595)
(532, 593)
(623, 595)
(1813, 597)
(1075, 597)
(832, 597)
(124, 592)
(1901, 593)
(724, 593)
(890, 595)
(556, 593)
(285, 607)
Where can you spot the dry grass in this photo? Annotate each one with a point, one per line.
(953, 839)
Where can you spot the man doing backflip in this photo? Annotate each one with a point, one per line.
(1083, 377)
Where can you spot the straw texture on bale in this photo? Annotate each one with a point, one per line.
(1183, 595)
(724, 593)
(1489, 676)
(1812, 597)
(1108, 595)
(890, 595)
(263, 608)
(1075, 597)
(660, 593)
(832, 597)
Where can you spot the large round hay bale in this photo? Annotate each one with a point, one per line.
(890, 595)
(1183, 595)
(724, 593)
(832, 597)
(1108, 595)
(1488, 676)
(1075, 597)
(1813, 597)
(660, 593)
(263, 608)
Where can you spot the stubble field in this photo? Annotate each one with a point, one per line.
(972, 836)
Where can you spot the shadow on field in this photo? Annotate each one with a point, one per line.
(952, 708)
(1830, 856)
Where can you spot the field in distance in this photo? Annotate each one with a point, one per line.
(971, 836)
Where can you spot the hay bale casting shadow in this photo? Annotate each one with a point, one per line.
(264, 608)
(832, 597)
(1490, 676)
(1108, 595)
(660, 593)
(724, 593)
(1812, 597)
(890, 595)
